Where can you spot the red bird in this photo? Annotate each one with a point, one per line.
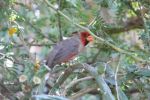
(68, 49)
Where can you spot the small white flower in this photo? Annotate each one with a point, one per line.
(36, 80)
(56, 6)
(1, 47)
(37, 13)
(22, 78)
(8, 63)
(98, 89)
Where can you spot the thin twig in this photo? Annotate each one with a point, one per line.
(78, 80)
(27, 48)
(82, 92)
(116, 83)
(74, 82)
(92, 22)
(64, 76)
(59, 20)
(36, 44)
(2, 56)
(15, 61)
(24, 43)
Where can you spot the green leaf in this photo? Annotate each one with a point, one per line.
(143, 72)
(122, 95)
(73, 2)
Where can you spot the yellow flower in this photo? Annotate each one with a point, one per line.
(22, 78)
(82, 23)
(12, 30)
(36, 65)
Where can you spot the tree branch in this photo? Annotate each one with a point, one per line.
(74, 82)
(116, 79)
(64, 76)
(129, 24)
(82, 92)
(59, 20)
(105, 90)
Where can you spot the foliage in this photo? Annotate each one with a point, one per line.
(114, 66)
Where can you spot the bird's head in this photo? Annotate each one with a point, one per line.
(86, 37)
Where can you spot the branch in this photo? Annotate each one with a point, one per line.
(129, 24)
(25, 45)
(35, 44)
(59, 20)
(82, 92)
(116, 83)
(74, 82)
(15, 61)
(63, 77)
(99, 38)
(105, 90)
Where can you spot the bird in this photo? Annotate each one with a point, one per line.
(68, 49)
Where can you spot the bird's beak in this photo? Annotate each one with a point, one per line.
(90, 38)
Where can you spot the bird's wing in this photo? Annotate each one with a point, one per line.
(51, 56)
(67, 49)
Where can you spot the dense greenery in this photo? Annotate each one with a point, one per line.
(114, 67)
